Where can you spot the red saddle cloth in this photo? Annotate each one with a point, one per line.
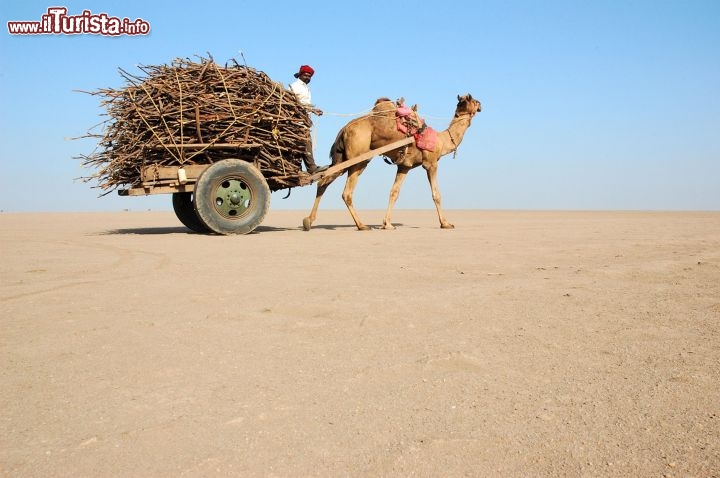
(425, 136)
(427, 139)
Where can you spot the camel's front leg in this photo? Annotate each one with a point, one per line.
(347, 195)
(432, 178)
(394, 194)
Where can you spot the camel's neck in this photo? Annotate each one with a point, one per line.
(455, 132)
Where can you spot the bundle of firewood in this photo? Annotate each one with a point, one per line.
(198, 112)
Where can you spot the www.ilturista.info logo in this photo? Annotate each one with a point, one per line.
(57, 22)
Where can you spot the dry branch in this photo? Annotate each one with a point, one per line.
(160, 117)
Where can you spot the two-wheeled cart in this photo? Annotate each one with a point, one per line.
(229, 196)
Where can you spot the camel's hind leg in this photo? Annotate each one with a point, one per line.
(394, 194)
(321, 187)
(354, 173)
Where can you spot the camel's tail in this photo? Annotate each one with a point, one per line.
(337, 150)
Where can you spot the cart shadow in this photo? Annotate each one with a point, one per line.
(148, 231)
(158, 231)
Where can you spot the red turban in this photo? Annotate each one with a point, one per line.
(305, 69)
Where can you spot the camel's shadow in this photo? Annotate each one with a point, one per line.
(338, 227)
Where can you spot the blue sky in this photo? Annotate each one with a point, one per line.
(586, 104)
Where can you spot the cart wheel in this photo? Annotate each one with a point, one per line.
(231, 197)
(185, 211)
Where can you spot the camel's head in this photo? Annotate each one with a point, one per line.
(468, 105)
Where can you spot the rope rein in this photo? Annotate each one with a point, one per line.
(369, 113)
(469, 117)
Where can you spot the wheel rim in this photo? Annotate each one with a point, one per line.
(232, 197)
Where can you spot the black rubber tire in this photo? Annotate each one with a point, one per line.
(231, 197)
(185, 211)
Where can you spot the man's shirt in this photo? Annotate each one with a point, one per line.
(302, 91)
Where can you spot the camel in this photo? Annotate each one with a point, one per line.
(379, 128)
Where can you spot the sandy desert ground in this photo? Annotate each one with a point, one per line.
(518, 344)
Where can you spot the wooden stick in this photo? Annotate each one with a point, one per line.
(363, 157)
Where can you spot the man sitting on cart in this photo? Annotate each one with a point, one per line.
(301, 89)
